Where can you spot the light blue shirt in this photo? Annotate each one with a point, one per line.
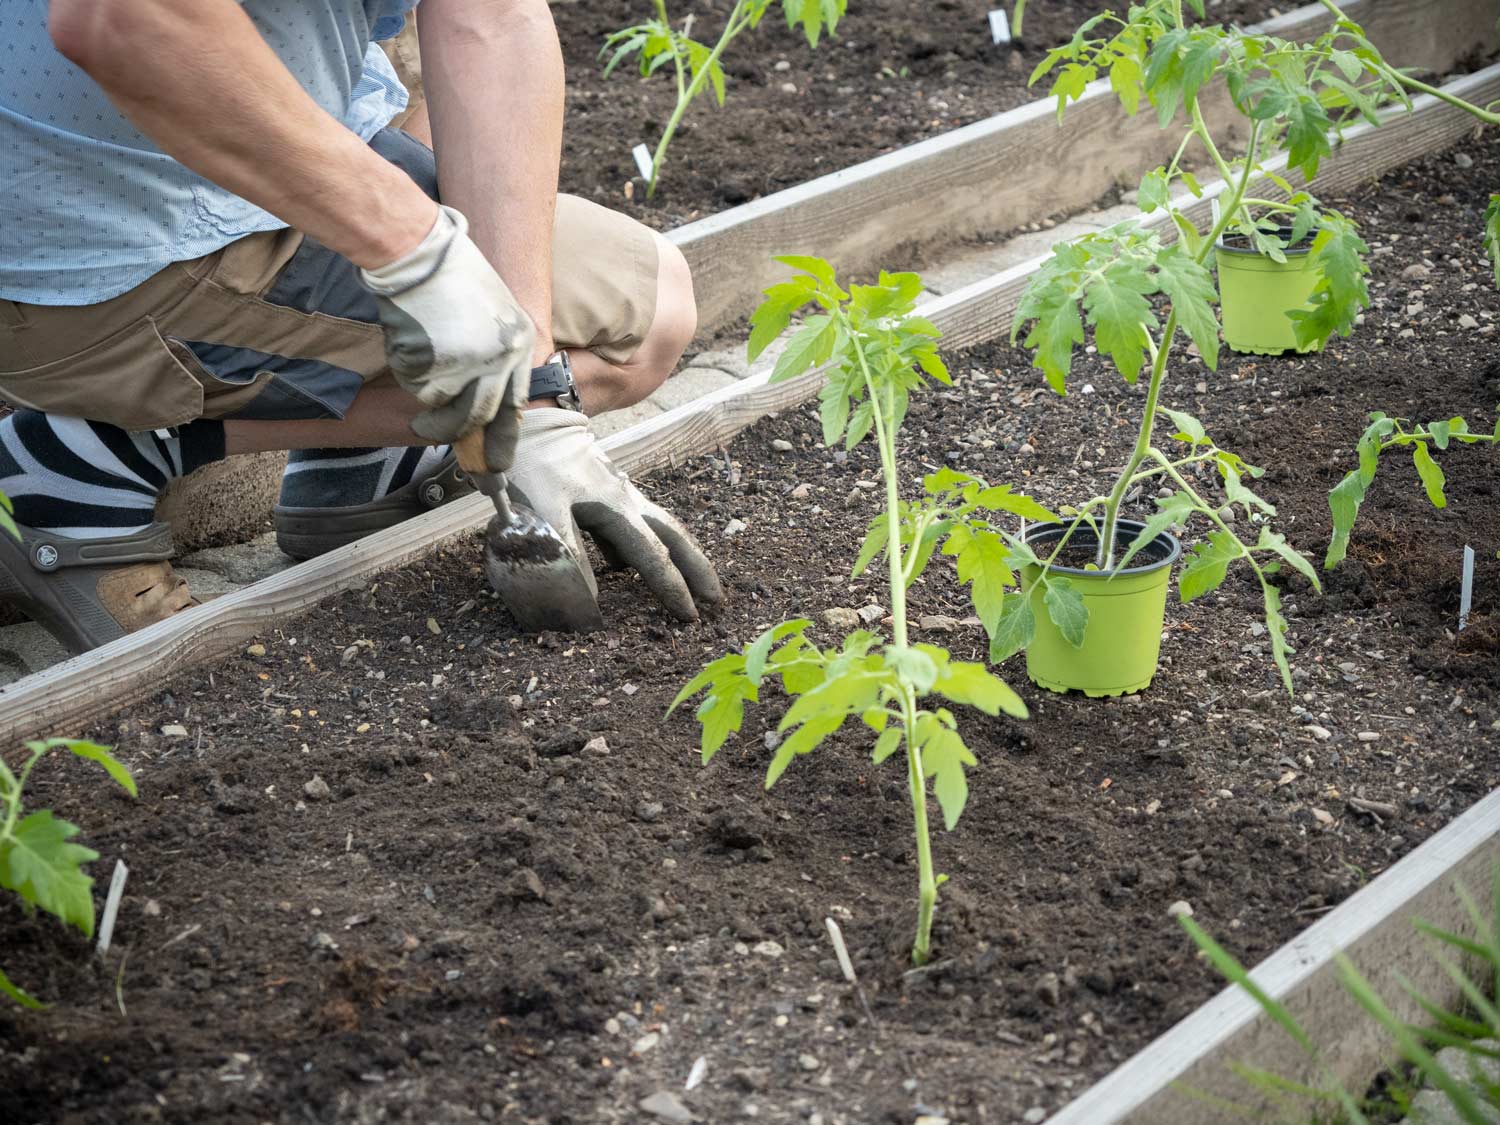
(90, 207)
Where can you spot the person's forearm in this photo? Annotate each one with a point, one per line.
(493, 74)
(223, 104)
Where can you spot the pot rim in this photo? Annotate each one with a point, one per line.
(1085, 534)
(1250, 252)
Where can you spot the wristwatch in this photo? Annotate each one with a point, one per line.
(554, 379)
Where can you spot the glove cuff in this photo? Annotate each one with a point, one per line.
(412, 269)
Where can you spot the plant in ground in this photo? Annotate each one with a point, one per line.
(38, 861)
(1384, 434)
(697, 66)
(900, 691)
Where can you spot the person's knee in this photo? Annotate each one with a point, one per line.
(676, 321)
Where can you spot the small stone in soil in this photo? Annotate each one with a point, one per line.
(1416, 272)
(1180, 909)
(316, 789)
(802, 492)
(869, 614)
(645, 1042)
(1463, 160)
(1467, 321)
(1048, 990)
(649, 811)
(255, 650)
(769, 948)
(781, 445)
(841, 617)
(174, 730)
(733, 528)
(937, 622)
(1033, 1115)
(665, 1105)
(808, 1062)
(1322, 734)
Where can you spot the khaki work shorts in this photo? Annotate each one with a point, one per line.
(276, 326)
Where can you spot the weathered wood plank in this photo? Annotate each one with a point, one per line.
(64, 698)
(1012, 169)
(1374, 927)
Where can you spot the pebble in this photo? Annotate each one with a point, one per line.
(1026, 448)
(1180, 909)
(783, 65)
(255, 650)
(1224, 794)
(802, 492)
(174, 730)
(789, 87)
(1368, 736)
(665, 1105)
(1416, 272)
(645, 1042)
(841, 617)
(1467, 321)
(1323, 817)
(869, 614)
(649, 811)
(768, 948)
(733, 528)
(433, 627)
(1463, 160)
(808, 1062)
(1406, 334)
(1322, 734)
(1048, 989)
(596, 746)
(1034, 1115)
(937, 622)
(317, 789)
(781, 445)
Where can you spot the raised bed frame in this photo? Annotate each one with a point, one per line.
(1184, 1077)
(64, 698)
(963, 184)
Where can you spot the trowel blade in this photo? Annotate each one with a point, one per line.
(543, 584)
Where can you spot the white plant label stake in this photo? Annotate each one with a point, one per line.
(1466, 590)
(642, 156)
(999, 26)
(112, 905)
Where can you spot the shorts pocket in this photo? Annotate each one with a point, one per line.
(129, 379)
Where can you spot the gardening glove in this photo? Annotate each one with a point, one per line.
(562, 474)
(456, 339)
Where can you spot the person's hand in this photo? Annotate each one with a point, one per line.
(456, 339)
(562, 474)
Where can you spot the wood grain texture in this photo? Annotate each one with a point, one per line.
(64, 698)
(1374, 927)
(1012, 169)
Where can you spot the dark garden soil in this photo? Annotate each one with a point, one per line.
(407, 866)
(898, 72)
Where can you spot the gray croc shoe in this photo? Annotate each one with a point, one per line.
(305, 533)
(87, 592)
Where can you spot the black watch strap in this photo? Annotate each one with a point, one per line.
(554, 379)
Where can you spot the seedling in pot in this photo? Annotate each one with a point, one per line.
(1117, 281)
(38, 861)
(880, 353)
(697, 66)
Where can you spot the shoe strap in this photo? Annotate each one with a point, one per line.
(438, 489)
(49, 552)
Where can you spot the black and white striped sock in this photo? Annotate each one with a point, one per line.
(342, 478)
(90, 480)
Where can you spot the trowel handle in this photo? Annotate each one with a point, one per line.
(471, 459)
(470, 450)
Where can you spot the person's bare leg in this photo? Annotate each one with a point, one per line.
(381, 415)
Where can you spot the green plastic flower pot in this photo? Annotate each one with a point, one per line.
(1126, 611)
(1256, 293)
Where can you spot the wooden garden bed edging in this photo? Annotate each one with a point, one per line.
(1374, 927)
(1012, 169)
(62, 699)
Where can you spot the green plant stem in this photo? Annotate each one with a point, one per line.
(1016, 18)
(732, 27)
(13, 799)
(1422, 87)
(661, 14)
(1106, 555)
(882, 412)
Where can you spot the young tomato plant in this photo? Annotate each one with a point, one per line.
(38, 861)
(881, 352)
(1383, 434)
(696, 65)
(1116, 282)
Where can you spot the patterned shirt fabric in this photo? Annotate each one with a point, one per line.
(90, 207)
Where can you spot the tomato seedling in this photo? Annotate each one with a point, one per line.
(38, 860)
(880, 353)
(697, 66)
